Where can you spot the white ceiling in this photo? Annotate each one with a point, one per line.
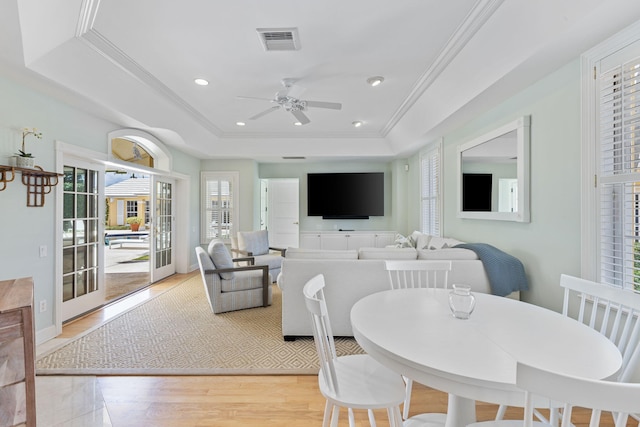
(134, 62)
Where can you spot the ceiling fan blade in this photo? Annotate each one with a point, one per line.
(302, 118)
(253, 97)
(321, 104)
(265, 112)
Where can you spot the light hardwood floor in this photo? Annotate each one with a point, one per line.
(230, 401)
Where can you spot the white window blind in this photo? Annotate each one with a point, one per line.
(430, 203)
(619, 186)
(219, 207)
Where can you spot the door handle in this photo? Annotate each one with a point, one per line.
(296, 223)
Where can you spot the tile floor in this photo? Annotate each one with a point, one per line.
(70, 402)
(77, 401)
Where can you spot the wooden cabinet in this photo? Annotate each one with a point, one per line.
(332, 240)
(17, 344)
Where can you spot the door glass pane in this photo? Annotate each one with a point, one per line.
(80, 232)
(164, 222)
(82, 206)
(68, 260)
(67, 288)
(81, 283)
(81, 180)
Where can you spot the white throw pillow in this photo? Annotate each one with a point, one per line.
(423, 241)
(402, 242)
(221, 257)
(256, 242)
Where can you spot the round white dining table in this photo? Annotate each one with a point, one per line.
(413, 332)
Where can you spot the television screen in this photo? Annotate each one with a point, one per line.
(476, 192)
(345, 195)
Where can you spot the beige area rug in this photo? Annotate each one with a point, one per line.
(177, 334)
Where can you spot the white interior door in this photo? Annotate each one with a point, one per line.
(283, 208)
(82, 279)
(162, 231)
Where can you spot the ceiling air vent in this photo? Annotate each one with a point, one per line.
(293, 157)
(279, 38)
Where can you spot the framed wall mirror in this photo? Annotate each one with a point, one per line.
(493, 174)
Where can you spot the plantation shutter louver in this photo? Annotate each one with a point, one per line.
(430, 191)
(619, 180)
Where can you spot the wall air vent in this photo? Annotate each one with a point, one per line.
(278, 39)
(293, 158)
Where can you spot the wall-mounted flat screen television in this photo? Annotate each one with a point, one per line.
(476, 192)
(356, 195)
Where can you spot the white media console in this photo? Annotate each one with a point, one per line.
(341, 240)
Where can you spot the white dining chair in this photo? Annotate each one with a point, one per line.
(418, 274)
(611, 311)
(353, 381)
(598, 395)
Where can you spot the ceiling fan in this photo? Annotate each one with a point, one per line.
(289, 100)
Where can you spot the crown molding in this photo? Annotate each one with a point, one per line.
(476, 18)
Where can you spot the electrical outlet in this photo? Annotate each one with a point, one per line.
(43, 251)
(43, 306)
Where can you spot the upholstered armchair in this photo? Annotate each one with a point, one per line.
(230, 288)
(256, 244)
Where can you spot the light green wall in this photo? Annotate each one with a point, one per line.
(24, 229)
(550, 244)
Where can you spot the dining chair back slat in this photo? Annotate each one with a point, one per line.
(353, 381)
(611, 311)
(322, 334)
(406, 274)
(618, 398)
(418, 274)
(598, 395)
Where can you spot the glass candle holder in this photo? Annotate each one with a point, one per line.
(461, 301)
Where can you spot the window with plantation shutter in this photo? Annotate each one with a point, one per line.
(619, 173)
(219, 207)
(430, 203)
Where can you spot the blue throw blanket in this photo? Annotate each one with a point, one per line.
(506, 272)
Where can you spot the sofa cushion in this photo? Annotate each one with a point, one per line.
(221, 257)
(301, 253)
(447, 254)
(273, 260)
(256, 242)
(387, 253)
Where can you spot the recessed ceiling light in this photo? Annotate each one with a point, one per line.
(240, 123)
(375, 80)
(201, 82)
(297, 123)
(357, 123)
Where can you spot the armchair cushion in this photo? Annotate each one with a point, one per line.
(221, 257)
(243, 281)
(255, 242)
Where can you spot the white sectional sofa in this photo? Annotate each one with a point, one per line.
(353, 274)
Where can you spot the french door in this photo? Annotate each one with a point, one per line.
(82, 238)
(162, 227)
